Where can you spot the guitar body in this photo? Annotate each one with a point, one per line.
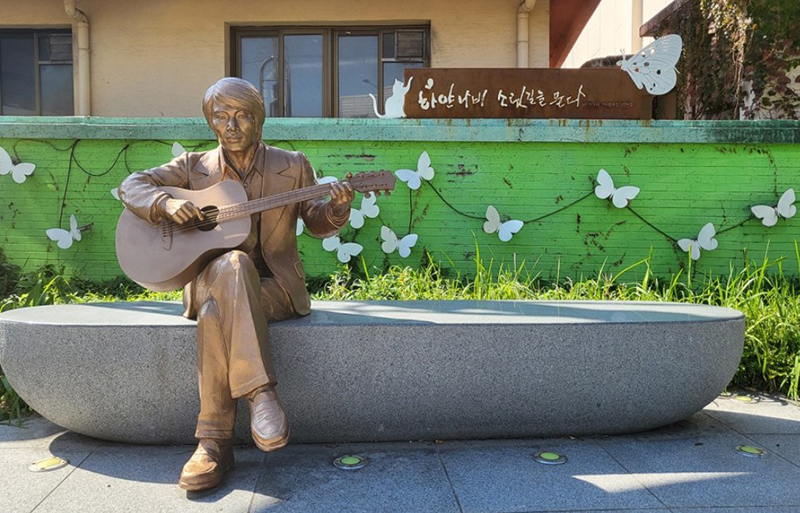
(161, 258)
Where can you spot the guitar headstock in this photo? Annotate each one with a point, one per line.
(372, 181)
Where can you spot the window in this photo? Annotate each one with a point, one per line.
(36, 73)
(325, 72)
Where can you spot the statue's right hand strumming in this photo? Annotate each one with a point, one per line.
(179, 211)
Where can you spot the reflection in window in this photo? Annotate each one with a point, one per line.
(327, 71)
(302, 76)
(260, 68)
(358, 75)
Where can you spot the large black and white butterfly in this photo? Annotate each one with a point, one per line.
(654, 66)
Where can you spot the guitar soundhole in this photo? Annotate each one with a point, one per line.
(210, 219)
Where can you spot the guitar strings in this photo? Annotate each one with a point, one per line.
(217, 215)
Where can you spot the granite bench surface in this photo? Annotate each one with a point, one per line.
(386, 370)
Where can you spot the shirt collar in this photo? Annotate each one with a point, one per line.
(255, 163)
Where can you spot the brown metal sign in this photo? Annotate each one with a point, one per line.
(599, 93)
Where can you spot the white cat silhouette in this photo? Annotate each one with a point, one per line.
(394, 103)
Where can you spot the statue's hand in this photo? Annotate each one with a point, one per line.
(342, 196)
(179, 211)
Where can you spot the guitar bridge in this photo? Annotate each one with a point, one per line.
(166, 235)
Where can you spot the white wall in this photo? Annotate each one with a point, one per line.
(610, 29)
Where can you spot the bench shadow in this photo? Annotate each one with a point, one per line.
(145, 307)
(163, 463)
(157, 464)
(413, 312)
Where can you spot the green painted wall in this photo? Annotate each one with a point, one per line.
(690, 173)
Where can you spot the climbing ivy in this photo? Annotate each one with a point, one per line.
(741, 58)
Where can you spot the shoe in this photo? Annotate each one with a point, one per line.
(268, 423)
(208, 465)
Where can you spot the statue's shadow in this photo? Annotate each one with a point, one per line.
(131, 465)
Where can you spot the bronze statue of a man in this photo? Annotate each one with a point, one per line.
(238, 294)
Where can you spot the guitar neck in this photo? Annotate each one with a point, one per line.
(282, 199)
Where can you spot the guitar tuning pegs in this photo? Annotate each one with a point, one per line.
(387, 193)
(349, 175)
(377, 193)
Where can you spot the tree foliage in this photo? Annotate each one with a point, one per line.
(741, 58)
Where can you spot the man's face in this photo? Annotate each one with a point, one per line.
(235, 127)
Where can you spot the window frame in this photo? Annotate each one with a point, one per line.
(330, 52)
(37, 62)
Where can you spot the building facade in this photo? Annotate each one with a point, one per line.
(312, 58)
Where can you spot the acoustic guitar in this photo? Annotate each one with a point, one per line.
(169, 255)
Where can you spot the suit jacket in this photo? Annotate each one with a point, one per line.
(281, 171)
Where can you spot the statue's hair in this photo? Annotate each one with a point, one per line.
(235, 92)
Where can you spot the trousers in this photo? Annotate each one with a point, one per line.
(233, 353)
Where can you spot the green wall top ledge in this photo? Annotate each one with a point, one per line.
(455, 130)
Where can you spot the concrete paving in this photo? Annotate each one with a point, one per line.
(691, 466)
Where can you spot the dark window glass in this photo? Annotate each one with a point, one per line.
(23, 91)
(17, 75)
(327, 71)
(388, 45)
(56, 89)
(260, 67)
(358, 75)
(302, 75)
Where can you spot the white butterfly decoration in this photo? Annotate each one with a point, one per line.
(368, 209)
(653, 67)
(300, 227)
(785, 209)
(63, 237)
(327, 179)
(705, 240)
(392, 243)
(19, 172)
(177, 149)
(115, 193)
(344, 250)
(424, 170)
(504, 230)
(619, 197)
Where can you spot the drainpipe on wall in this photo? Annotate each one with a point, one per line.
(84, 105)
(523, 15)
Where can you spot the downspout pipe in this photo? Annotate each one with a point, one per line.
(84, 96)
(523, 17)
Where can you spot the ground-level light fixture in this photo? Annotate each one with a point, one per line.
(550, 458)
(350, 462)
(750, 451)
(48, 464)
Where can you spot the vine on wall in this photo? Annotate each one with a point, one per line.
(741, 58)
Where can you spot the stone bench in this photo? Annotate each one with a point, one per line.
(386, 370)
